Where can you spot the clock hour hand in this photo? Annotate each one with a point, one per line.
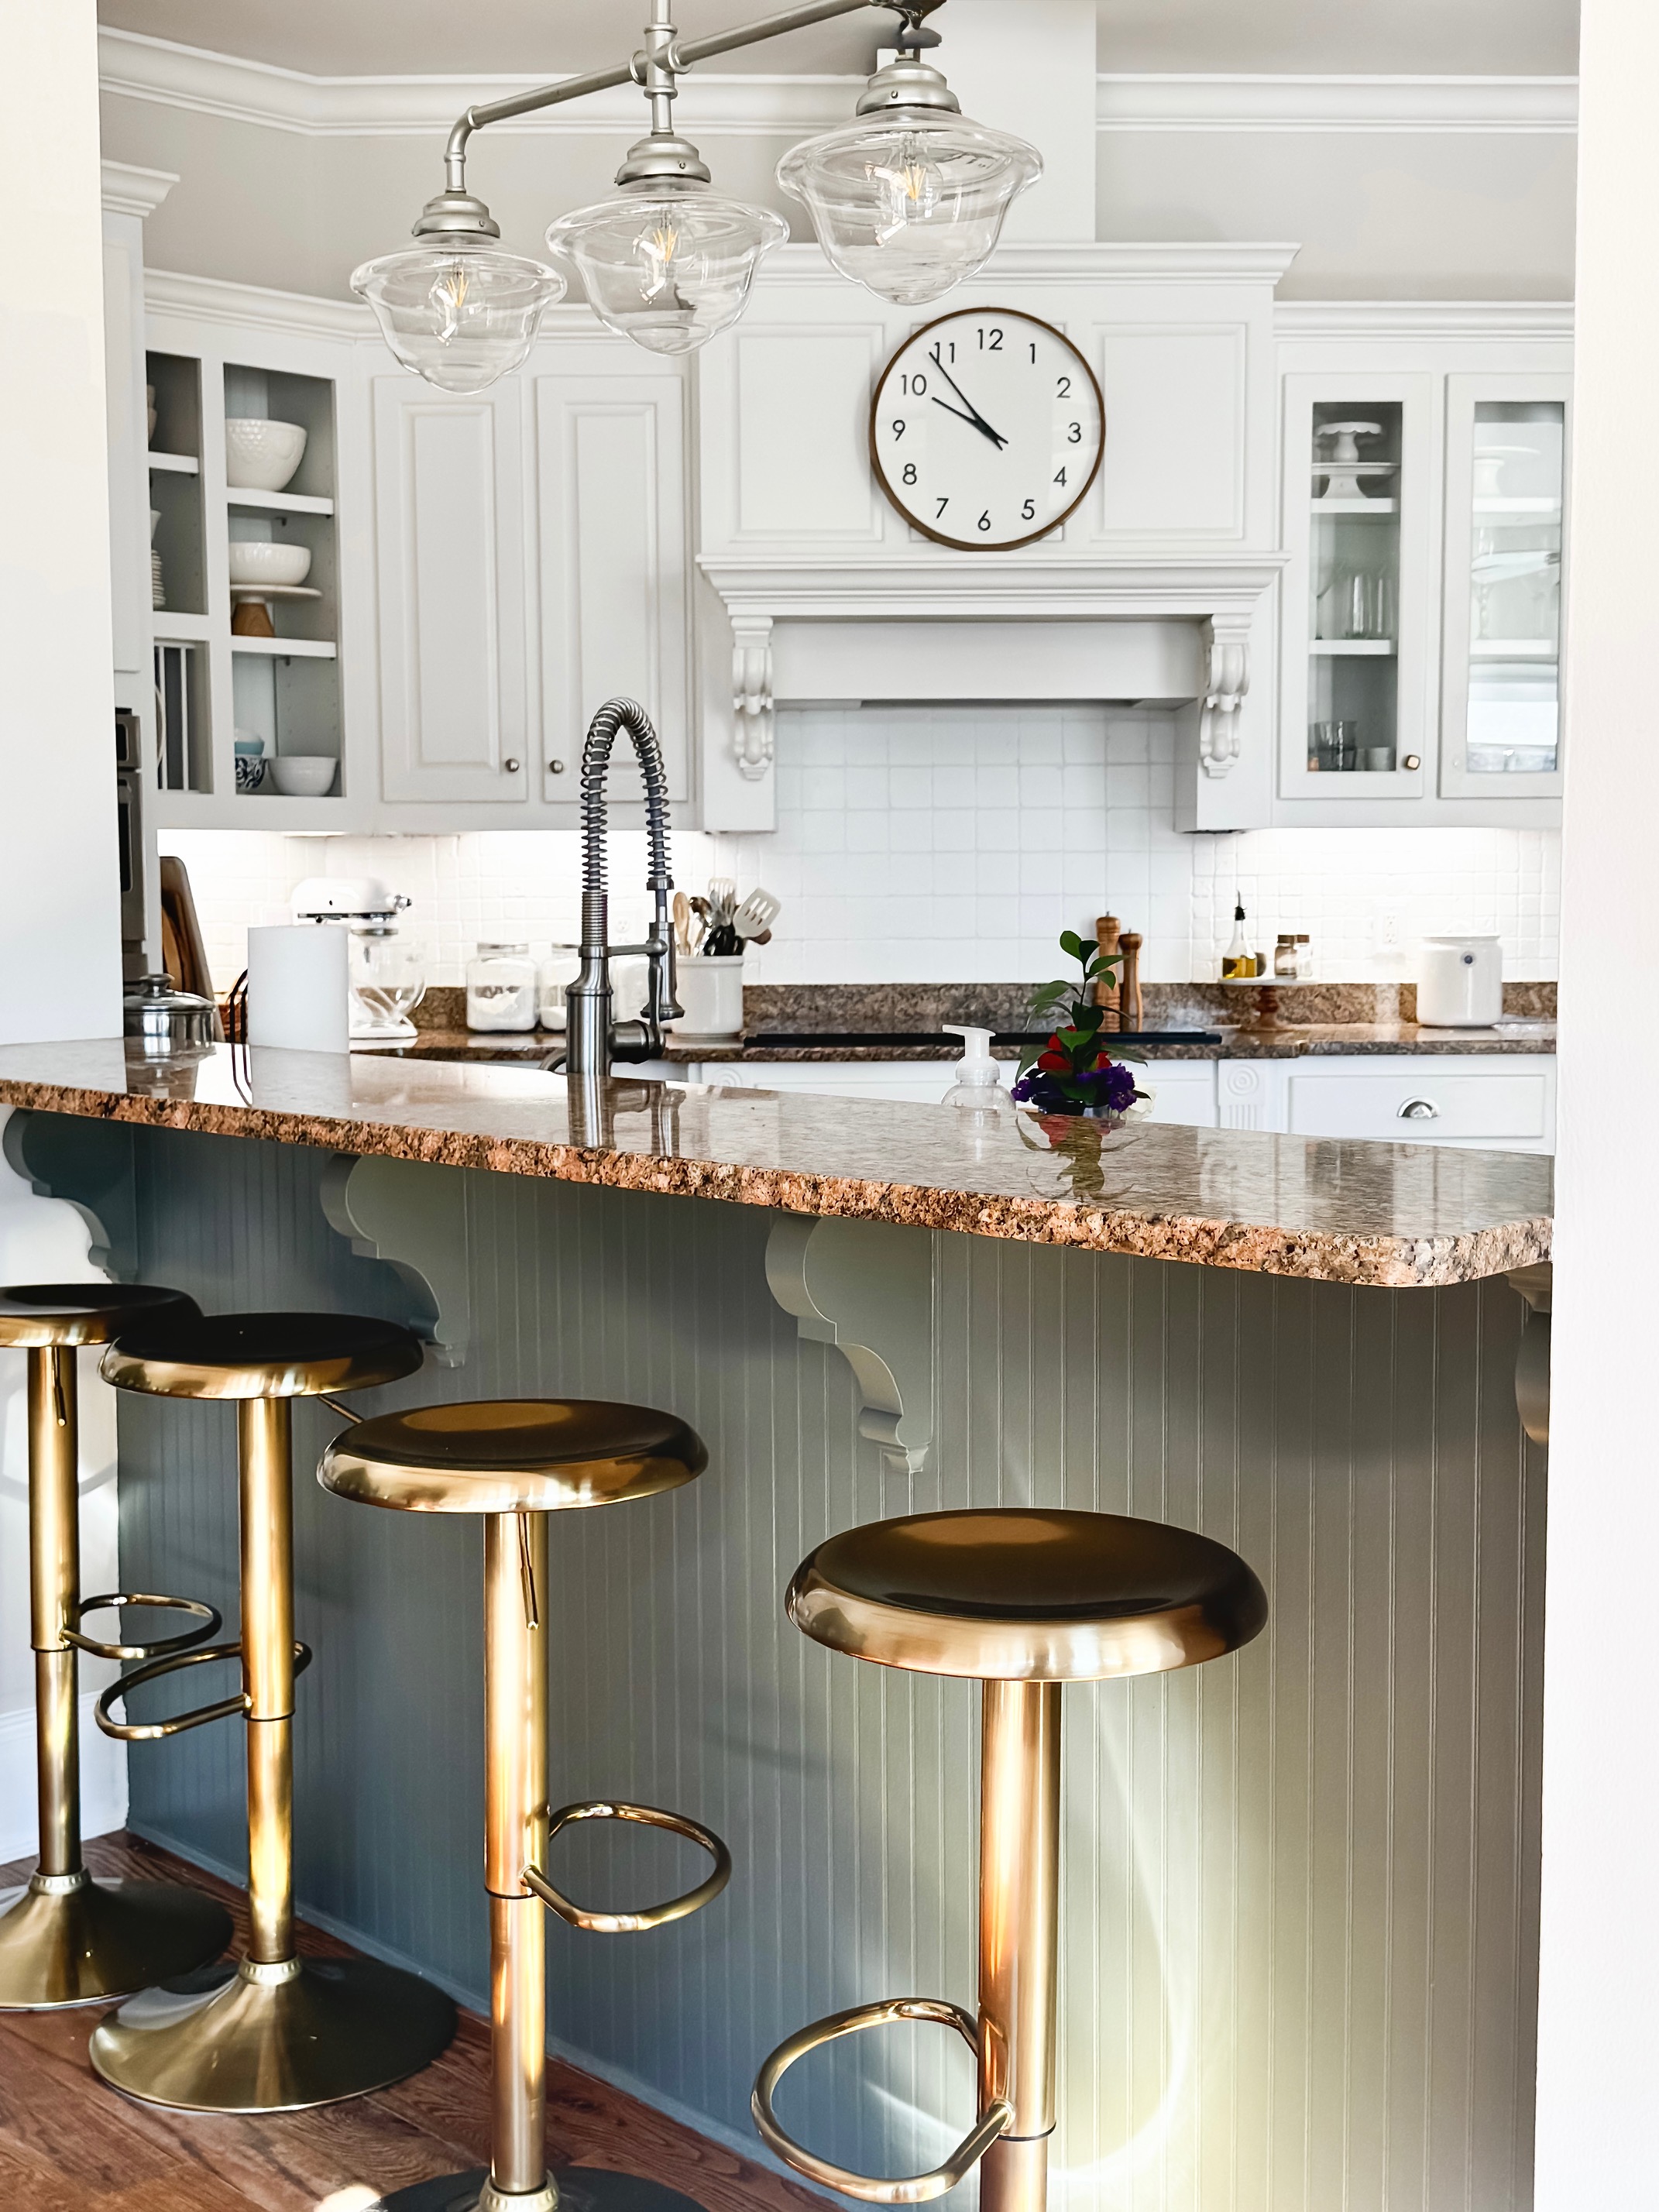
(972, 414)
(974, 421)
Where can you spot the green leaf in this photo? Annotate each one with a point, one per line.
(1072, 943)
(1089, 1017)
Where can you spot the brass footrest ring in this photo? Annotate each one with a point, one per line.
(211, 1618)
(650, 1916)
(912, 2189)
(154, 1731)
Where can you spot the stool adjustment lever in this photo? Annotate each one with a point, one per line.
(649, 1916)
(910, 2188)
(153, 1731)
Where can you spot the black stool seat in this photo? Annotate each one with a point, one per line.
(1036, 1596)
(260, 1355)
(512, 1455)
(36, 1314)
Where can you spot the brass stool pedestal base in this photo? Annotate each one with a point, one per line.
(97, 1941)
(575, 2189)
(253, 2039)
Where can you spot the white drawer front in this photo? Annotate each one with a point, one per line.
(1184, 1091)
(1428, 1104)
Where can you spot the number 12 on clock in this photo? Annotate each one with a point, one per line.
(986, 429)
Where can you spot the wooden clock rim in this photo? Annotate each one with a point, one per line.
(1005, 544)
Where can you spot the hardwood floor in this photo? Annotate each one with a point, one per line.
(70, 2144)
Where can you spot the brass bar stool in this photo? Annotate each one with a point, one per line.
(66, 1939)
(515, 1462)
(275, 2033)
(1021, 1601)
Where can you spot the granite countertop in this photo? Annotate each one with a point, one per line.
(1397, 1215)
(1317, 1020)
(1303, 1041)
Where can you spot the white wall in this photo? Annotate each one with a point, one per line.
(938, 845)
(60, 954)
(60, 894)
(1598, 2117)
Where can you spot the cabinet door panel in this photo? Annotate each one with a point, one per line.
(802, 416)
(614, 562)
(1174, 464)
(449, 516)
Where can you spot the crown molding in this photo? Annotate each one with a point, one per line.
(238, 91)
(253, 307)
(1018, 263)
(1515, 319)
(1412, 104)
(127, 190)
(136, 67)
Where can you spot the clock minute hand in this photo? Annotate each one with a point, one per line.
(973, 421)
(977, 419)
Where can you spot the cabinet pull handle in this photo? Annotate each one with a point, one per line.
(1419, 1109)
(511, 766)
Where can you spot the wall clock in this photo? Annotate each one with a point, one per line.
(986, 429)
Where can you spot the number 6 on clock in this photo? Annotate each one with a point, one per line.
(991, 414)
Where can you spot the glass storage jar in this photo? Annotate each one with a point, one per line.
(501, 989)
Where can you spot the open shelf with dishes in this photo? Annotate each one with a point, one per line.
(243, 476)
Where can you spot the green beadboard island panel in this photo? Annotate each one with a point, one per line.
(1299, 1884)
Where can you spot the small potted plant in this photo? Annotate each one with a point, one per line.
(1073, 1073)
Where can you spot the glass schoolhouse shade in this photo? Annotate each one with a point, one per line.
(459, 314)
(668, 262)
(908, 204)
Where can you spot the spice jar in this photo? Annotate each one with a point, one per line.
(501, 989)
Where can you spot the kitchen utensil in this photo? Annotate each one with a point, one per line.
(261, 455)
(722, 897)
(303, 775)
(682, 921)
(1459, 982)
(1343, 470)
(261, 560)
(1332, 747)
(250, 763)
(168, 1022)
(758, 913)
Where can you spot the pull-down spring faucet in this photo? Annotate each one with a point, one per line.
(593, 1040)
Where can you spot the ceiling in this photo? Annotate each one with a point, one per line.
(379, 38)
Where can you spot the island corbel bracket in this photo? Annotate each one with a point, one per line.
(867, 1288)
(414, 1218)
(753, 741)
(1226, 684)
(1532, 1358)
(88, 1165)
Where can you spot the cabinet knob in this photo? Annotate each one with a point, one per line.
(1419, 1109)
(1411, 760)
(511, 766)
(556, 767)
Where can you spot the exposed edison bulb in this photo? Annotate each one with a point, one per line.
(908, 186)
(459, 317)
(669, 263)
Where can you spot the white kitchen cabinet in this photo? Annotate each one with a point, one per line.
(1508, 446)
(449, 524)
(1185, 1088)
(611, 515)
(1503, 1101)
(1420, 640)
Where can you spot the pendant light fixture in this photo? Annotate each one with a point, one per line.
(907, 200)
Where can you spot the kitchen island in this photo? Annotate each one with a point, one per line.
(1300, 1884)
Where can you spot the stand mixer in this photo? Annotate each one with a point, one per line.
(384, 969)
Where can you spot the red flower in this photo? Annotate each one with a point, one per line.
(1055, 1062)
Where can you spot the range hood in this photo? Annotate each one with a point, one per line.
(956, 627)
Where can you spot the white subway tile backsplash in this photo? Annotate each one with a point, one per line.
(941, 845)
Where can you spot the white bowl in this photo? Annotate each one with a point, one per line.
(303, 775)
(255, 561)
(261, 456)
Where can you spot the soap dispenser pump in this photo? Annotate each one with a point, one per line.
(978, 1085)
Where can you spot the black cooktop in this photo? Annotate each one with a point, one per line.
(820, 1040)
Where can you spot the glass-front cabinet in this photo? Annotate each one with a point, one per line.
(1358, 494)
(1507, 441)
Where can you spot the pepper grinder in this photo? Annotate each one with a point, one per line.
(1108, 995)
(1131, 1013)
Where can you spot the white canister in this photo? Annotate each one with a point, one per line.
(1459, 982)
(711, 991)
(297, 994)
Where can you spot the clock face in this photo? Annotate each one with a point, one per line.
(986, 429)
